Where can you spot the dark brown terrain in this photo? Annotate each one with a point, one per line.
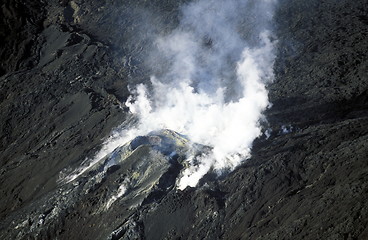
(64, 71)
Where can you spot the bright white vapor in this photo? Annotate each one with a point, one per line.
(120, 192)
(206, 118)
(214, 90)
(209, 83)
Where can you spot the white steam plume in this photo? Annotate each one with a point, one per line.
(209, 82)
(213, 89)
(205, 117)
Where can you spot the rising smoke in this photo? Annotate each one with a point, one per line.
(209, 83)
(219, 60)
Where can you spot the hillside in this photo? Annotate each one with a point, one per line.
(65, 72)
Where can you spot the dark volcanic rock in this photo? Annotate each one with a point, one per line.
(133, 175)
(65, 67)
(20, 25)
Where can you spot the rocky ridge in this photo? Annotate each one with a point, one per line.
(65, 68)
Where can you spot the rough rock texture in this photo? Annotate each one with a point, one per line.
(65, 67)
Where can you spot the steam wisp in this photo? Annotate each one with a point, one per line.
(214, 88)
(208, 83)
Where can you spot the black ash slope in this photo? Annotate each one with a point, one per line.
(65, 68)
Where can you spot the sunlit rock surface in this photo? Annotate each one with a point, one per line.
(65, 67)
(138, 173)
